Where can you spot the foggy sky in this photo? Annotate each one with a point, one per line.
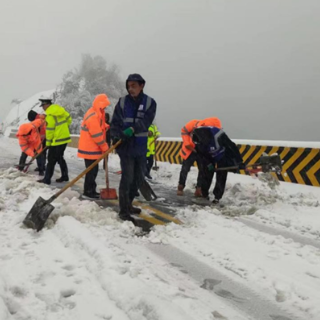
(255, 64)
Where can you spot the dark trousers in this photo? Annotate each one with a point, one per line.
(55, 155)
(41, 160)
(206, 179)
(150, 161)
(133, 171)
(186, 166)
(22, 161)
(90, 179)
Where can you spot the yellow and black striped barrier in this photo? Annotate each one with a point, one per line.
(300, 165)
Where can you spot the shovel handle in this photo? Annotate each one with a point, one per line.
(227, 168)
(106, 171)
(71, 183)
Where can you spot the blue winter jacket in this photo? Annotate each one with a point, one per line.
(139, 115)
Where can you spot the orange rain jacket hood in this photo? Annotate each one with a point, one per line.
(29, 137)
(92, 142)
(186, 135)
(210, 122)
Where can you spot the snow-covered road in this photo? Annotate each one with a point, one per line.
(256, 258)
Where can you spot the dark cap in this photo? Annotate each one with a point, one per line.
(45, 101)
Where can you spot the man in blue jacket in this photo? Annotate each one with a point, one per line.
(215, 149)
(132, 117)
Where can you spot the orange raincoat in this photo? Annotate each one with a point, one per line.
(29, 137)
(92, 143)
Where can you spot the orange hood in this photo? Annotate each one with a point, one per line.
(210, 122)
(100, 102)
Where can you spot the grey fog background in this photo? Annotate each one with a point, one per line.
(253, 63)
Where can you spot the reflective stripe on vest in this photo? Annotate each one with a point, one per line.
(216, 137)
(148, 103)
(142, 134)
(60, 140)
(89, 116)
(185, 130)
(97, 135)
(90, 152)
(130, 120)
(57, 122)
(101, 142)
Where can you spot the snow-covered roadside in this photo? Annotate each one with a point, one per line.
(99, 269)
(85, 270)
(281, 269)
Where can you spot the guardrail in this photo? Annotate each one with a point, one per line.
(301, 159)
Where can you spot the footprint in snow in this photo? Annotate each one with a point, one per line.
(67, 293)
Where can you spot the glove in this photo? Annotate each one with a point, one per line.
(128, 132)
(210, 167)
(242, 166)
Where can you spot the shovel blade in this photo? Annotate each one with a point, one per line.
(271, 163)
(38, 215)
(147, 191)
(108, 194)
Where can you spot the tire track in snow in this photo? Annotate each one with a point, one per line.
(279, 232)
(210, 279)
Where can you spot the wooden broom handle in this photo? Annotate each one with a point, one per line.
(106, 171)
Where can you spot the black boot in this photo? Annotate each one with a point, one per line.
(135, 210)
(127, 217)
(62, 179)
(43, 181)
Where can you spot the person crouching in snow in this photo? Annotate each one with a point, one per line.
(92, 142)
(41, 160)
(29, 141)
(215, 149)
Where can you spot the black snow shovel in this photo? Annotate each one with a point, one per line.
(41, 210)
(147, 191)
(265, 164)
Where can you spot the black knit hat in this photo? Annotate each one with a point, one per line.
(32, 115)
